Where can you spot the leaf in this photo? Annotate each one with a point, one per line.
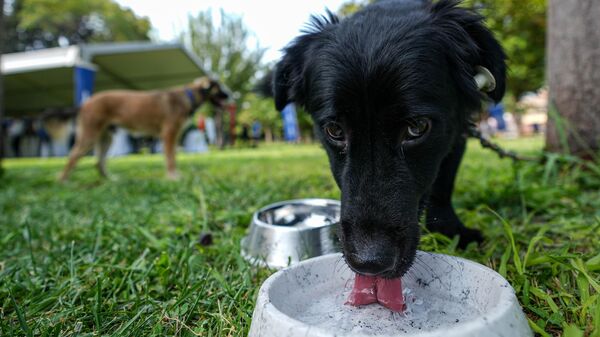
(77, 21)
(504, 261)
(543, 296)
(579, 266)
(98, 305)
(532, 243)
(587, 305)
(596, 320)
(537, 329)
(525, 292)
(572, 331)
(593, 264)
(509, 233)
(224, 49)
(584, 287)
(549, 167)
(21, 317)
(153, 241)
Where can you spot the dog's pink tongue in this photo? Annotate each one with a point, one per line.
(389, 294)
(364, 291)
(372, 289)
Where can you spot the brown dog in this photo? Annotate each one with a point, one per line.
(156, 113)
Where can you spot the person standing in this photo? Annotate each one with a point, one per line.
(15, 133)
(497, 112)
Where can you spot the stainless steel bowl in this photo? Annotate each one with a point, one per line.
(288, 232)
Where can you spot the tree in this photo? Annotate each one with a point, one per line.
(574, 77)
(36, 24)
(519, 25)
(223, 50)
(264, 90)
(256, 108)
(351, 7)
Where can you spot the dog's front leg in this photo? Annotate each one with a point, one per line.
(169, 138)
(440, 212)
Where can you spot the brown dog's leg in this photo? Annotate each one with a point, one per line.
(82, 145)
(102, 147)
(88, 130)
(169, 137)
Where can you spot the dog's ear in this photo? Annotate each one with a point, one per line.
(476, 47)
(491, 56)
(290, 72)
(288, 76)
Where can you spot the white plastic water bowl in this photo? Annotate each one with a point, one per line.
(445, 296)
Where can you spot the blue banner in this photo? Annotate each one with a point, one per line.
(290, 123)
(84, 84)
(497, 112)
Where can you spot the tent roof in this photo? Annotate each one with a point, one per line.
(40, 79)
(42, 59)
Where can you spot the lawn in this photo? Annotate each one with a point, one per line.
(121, 256)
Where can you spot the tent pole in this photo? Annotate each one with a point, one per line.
(1, 85)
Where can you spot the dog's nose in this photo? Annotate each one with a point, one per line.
(370, 264)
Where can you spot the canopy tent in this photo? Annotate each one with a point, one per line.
(48, 78)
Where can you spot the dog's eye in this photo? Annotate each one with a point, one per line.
(335, 133)
(417, 128)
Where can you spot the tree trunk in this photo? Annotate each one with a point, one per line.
(268, 135)
(2, 33)
(574, 77)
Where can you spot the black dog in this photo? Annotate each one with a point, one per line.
(391, 90)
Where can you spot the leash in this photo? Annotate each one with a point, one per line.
(486, 83)
(502, 153)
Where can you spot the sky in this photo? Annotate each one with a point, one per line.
(274, 22)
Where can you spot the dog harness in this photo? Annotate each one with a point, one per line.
(190, 95)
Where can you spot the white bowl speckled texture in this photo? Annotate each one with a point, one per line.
(446, 296)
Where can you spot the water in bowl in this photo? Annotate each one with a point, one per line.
(426, 311)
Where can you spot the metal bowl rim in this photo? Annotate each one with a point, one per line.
(307, 201)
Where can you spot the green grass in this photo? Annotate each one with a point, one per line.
(121, 256)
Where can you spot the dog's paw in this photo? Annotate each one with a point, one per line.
(445, 221)
(468, 235)
(102, 170)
